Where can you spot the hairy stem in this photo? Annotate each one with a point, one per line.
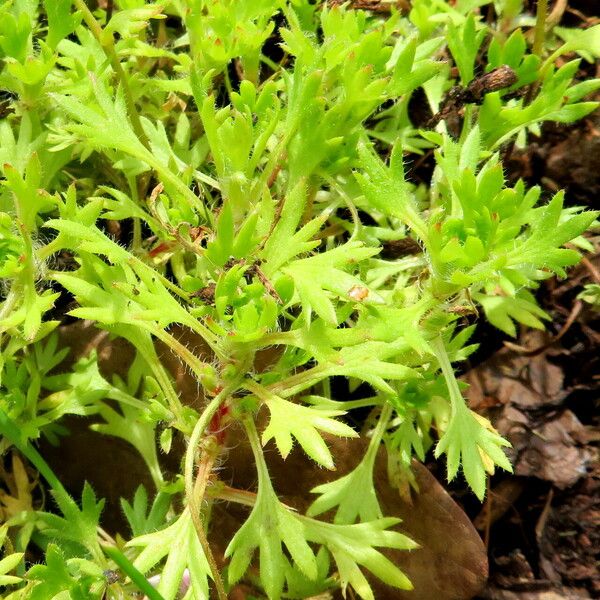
(195, 364)
(298, 382)
(195, 490)
(380, 429)
(204, 470)
(198, 432)
(264, 481)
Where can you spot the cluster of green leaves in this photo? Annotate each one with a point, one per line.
(240, 148)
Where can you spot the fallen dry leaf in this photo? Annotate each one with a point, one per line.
(527, 382)
(450, 565)
(452, 561)
(553, 454)
(557, 594)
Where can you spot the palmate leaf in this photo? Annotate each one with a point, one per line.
(550, 229)
(120, 207)
(139, 518)
(502, 311)
(464, 42)
(180, 545)
(325, 271)
(587, 40)
(77, 393)
(29, 201)
(287, 241)
(105, 125)
(469, 439)
(406, 440)
(126, 292)
(59, 578)
(269, 527)
(61, 22)
(86, 237)
(353, 494)
(386, 190)
(390, 323)
(380, 333)
(371, 362)
(500, 122)
(128, 23)
(97, 304)
(78, 525)
(410, 67)
(318, 277)
(128, 426)
(289, 420)
(472, 442)
(354, 546)
(29, 315)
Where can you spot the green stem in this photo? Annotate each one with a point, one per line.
(456, 398)
(414, 221)
(148, 353)
(228, 86)
(264, 481)
(204, 471)
(381, 427)
(540, 27)
(178, 266)
(136, 245)
(279, 338)
(298, 382)
(9, 303)
(27, 275)
(230, 494)
(136, 577)
(333, 184)
(362, 403)
(275, 67)
(9, 429)
(276, 156)
(197, 366)
(195, 492)
(258, 390)
(537, 49)
(49, 249)
(547, 64)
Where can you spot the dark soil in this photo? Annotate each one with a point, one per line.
(542, 525)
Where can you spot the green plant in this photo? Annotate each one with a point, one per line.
(256, 207)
